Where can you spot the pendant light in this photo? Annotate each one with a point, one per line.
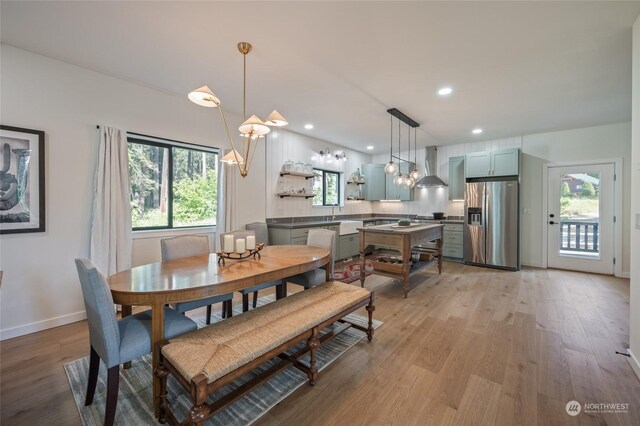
(399, 179)
(415, 174)
(391, 168)
(409, 182)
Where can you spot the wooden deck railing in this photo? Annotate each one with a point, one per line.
(579, 236)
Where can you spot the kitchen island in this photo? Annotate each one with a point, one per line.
(403, 239)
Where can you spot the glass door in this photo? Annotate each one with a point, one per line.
(580, 218)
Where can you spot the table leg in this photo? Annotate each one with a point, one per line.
(157, 336)
(126, 311)
(406, 263)
(362, 260)
(439, 245)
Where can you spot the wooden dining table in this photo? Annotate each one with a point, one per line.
(198, 277)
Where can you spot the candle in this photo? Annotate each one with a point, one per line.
(251, 242)
(240, 245)
(228, 244)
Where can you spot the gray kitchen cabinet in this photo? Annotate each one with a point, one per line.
(505, 162)
(374, 177)
(452, 241)
(283, 236)
(399, 192)
(456, 178)
(348, 246)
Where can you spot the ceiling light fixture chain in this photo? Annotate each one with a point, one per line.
(251, 130)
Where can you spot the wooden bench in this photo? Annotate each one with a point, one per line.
(207, 359)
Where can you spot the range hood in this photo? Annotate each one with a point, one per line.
(430, 167)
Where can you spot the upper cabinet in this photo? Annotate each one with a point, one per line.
(504, 162)
(456, 178)
(380, 186)
(375, 178)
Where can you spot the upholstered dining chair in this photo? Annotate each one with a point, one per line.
(194, 245)
(117, 341)
(259, 230)
(323, 238)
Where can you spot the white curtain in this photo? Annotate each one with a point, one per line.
(110, 246)
(226, 214)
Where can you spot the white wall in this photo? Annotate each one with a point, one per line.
(284, 145)
(587, 144)
(40, 287)
(635, 204)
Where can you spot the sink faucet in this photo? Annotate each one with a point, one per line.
(333, 214)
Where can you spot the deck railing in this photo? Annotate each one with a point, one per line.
(579, 236)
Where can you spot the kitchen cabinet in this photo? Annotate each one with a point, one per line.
(452, 241)
(504, 162)
(399, 192)
(380, 186)
(456, 178)
(348, 246)
(375, 178)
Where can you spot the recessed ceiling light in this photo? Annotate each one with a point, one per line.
(370, 147)
(445, 91)
(476, 131)
(308, 126)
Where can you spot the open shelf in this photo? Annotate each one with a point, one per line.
(299, 174)
(294, 195)
(354, 182)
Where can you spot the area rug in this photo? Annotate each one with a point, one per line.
(135, 396)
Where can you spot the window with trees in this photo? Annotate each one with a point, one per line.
(326, 188)
(173, 184)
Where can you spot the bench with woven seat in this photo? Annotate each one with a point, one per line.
(207, 359)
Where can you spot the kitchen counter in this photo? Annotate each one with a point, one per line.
(288, 224)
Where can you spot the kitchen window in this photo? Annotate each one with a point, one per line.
(173, 184)
(326, 188)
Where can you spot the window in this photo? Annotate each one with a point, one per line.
(326, 188)
(173, 185)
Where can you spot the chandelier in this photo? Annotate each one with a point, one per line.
(251, 130)
(392, 168)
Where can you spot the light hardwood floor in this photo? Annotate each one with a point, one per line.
(472, 346)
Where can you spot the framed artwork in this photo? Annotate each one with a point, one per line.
(21, 180)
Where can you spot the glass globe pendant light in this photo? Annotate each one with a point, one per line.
(391, 168)
(415, 174)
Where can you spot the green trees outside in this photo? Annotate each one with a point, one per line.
(564, 190)
(193, 190)
(588, 191)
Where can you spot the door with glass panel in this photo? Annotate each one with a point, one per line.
(580, 222)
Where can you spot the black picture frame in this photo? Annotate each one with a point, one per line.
(22, 180)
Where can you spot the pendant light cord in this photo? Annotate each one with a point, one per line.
(244, 89)
(391, 139)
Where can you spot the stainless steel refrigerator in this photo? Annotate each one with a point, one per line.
(491, 231)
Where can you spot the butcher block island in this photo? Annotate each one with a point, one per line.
(415, 242)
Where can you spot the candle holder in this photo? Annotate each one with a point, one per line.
(240, 256)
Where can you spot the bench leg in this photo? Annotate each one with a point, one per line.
(229, 309)
(313, 343)
(255, 299)
(163, 405)
(200, 410)
(370, 308)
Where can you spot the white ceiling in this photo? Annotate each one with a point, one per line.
(516, 67)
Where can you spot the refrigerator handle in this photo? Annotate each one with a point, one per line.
(487, 223)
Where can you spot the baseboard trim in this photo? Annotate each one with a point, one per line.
(625, 275)
(33, 327)
(635, 365)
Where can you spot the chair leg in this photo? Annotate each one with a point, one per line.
(245, 302)
(94, 368)
(255, 299)
(113, 382)
(208, 321)
(229, 308)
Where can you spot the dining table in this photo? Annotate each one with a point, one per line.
(198, 277)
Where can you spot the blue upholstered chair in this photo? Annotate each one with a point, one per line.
(317, 238)
(260, 231)
(188, 246)
(117, 341)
